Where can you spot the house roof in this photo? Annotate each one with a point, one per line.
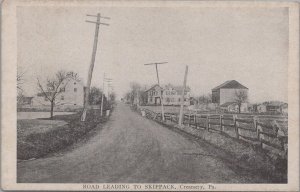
(178, 89)
(227, 104)
(153, 87)
(231, 84)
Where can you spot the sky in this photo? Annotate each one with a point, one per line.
(249, 45)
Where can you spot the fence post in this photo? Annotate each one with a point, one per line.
(236, 127)
(255, 121)
(276, 126)
(221, 123)
(261, 143)
(255, 126)
(207, 122)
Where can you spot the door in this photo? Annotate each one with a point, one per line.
(157, 101)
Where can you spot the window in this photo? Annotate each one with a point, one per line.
(75, 89)
(46, 99)
(62, 97)
(179, 99)
(74, 83)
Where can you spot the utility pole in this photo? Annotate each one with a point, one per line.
(138, 98)
(161, 98)
(109, 91)
(87, 90)
(182, 96)
(101, 108)
(103, 93)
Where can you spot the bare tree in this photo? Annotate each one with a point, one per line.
(135, 91)
(20, 82)
(55, 86)
(241, 97)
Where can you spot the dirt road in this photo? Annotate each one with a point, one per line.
(128, 149)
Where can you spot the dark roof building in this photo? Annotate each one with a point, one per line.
(231, 84)
(226, 91)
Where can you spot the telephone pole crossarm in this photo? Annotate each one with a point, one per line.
(97, 16)
(98, 23)
(155, 63)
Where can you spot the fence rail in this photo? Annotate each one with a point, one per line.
(251, 130)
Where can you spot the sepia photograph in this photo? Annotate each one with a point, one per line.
(157, 96)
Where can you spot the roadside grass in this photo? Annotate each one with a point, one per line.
(245, 157)
(242, 157)
(167, 109)
(39, 137)
(30, 126)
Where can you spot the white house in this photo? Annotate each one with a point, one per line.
(171, 95)
(153, 95)
(71, 95)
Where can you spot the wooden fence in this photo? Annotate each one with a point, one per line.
(249, 129)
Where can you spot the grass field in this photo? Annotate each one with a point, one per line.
(39, 137)
(167, 109)
(31, 126)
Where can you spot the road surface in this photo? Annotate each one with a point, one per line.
(132, 149)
